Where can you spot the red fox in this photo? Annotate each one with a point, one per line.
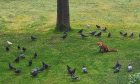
(104, 48)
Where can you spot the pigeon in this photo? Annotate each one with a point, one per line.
(88, 26)
(33, 38)
(64, 36)
(34, 72)
(11, 67)
(98, 27)
(22, 55)
(7, 49)
(70, 71)
(82, 35)
(17, 59)
(109, 35)
(80, 31)
(45, 65)
(84, 69)
(121, 33)
(9, 43)
(24, 49)
(74, 77)
(35, 55)
(18, 47)
(98, 34)
(17, 71)
(131, 35)
(125, 34)
(93, 33)
(104, 29)
(30, 62)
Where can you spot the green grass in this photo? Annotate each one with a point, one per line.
(21, 18)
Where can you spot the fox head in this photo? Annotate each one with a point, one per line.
(100, 43)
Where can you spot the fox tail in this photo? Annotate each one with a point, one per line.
(112, 50)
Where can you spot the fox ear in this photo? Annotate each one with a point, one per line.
(100, 42)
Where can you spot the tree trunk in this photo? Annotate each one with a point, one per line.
(63, 18)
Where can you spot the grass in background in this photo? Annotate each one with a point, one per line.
(21, 18)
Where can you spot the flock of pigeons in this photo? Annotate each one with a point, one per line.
(99, 33)
(35, 71)
(45, 66)
(21, 56)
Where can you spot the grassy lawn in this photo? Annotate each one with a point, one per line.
(19, 19)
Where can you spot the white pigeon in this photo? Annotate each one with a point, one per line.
(88, 26)
(9, 43)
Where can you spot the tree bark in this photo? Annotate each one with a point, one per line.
(63, 17)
